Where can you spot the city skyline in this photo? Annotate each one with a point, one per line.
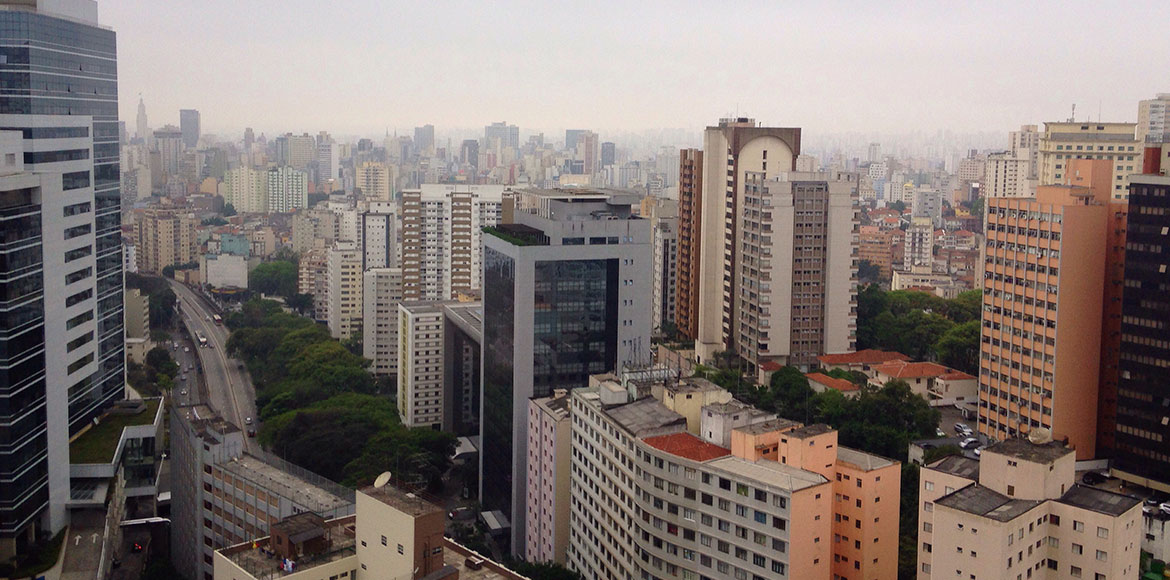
(877, 69)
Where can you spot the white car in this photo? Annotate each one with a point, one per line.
(1164, 508)
(969, 443)
(186, 349)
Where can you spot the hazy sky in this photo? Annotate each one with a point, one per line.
(358, 66)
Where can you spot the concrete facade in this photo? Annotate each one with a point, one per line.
(547, 494)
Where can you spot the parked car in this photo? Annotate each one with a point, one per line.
(1092, 478)
(940, 433)
(186, 349)
(251, 431)
(962, 429)
(978, 451)
(247, 420)
(970, 443)
(1164, 508)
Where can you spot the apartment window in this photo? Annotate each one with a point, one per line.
(1102, 556)
(1078, 526)
(1078, 549)
(928, 485)
(1102, 532)
(384, 541)
(1074, 571)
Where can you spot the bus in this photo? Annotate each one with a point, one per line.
(202, 339)
(217, 319)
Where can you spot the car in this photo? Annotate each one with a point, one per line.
(190, 366)
(458, 512)
(247, 420)
(136, 547)
(961, 428)
(1149, 510)
(183, 377)
(940, 433)
(240, 366)
(186, 349)
(209, 319)
(1164, 508)
(970, 443)
(183, 392)
(978, 451)
(175, 346)
(1092, 478)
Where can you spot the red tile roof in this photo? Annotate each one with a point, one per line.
(867, 356)
(912, 370)
(687, 446)
(956, 376)
(832, 383)
(771, 366)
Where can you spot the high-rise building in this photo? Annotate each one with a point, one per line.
(168, 141)
(344, 289)
(1143, 388)
(547, 495)
(189, 125)
(690, 237)
(765, 150)
(246, 189)
(424, 140)
(1018, 512)
(374, 179)
(665, 270)
(1061, 143)
(141, 126)
(442, 226)
(796, 266)
(588, 152)
(768, 500)
(381, 294)
(420, 364)
(288, 189)
(166, 237)
(608, 153)
(1153, 124)
(469, 154)
(296, 151)
(63, 352)
(501, 135)
(1044, 270)
(565, 296)
(874, 153)
(379, 235)
(328, 161)
(918, 255)
(313, 279)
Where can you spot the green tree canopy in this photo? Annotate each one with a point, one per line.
(278, 278)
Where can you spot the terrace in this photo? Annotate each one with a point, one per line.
(99, 444)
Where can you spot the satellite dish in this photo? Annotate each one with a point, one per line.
(382, 480)
(1040, 436)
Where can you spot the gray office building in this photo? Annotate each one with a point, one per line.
(566, 295)
(189, 126)
(62, 358)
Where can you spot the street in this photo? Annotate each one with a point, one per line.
(229, 388)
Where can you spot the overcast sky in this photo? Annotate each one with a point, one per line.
(358, 66)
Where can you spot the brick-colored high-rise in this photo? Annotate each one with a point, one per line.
(690, 239)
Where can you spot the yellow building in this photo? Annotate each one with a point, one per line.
(1116, 142)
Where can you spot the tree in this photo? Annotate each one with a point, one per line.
(977, 207)
(959, 347)
(277, 278)
(791, 394)
(354, 343)
(214, 221)
(899, 206)
(868, 271)
(302, 303)
(159, 360)
(908, 523)
(229, 210)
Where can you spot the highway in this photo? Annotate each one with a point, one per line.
(229, 389)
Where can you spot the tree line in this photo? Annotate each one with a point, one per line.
(921, 325)
(320, 407)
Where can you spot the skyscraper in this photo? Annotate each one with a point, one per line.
(1063, 142)
(571, 138)
(566, 295)
(62, 360)
(690, 221)
(424, 140)
(469, 154)
(288, 189)
(608, 153)
(503, 133)
(733, 147)
(1143, 401)
(1153, 124)
(141, 127)
(168, 141)
(189, 126)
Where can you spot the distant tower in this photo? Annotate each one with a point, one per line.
(142, 129)
(189, 124)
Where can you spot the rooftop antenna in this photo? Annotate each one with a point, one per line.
(1073, 118)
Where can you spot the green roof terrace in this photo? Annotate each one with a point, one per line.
(99, 443)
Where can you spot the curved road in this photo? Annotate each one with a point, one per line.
(229, 388)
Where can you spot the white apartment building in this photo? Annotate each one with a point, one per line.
(246, 189)
(1018, 512)
(379, 235)
(381, 294)
(441, 237)
(420, 364)
(796, 268)
(919, 253)
(1006, 175)
(288, 189)
(1153, 114)
(344, 289)
(547, 498)
(1062, 142)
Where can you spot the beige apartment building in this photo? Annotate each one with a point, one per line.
(547, 496)
(1044, 269)
(381, 293)
(343, 288)
(246, 189)
(1153, 116)
(166, 237)
(732, 148)
(1018, 513)
(376, 181)
(690, 230)
(795, 266)
(1061, 143)
(420, 364)
(441, 238)
(312, 278)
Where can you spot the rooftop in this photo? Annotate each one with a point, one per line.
(1028, 451)
(257, 562)
(958, 465)
(767, 426)
(518, 234)
(836, 384)
(405, 502)
(867, 356)
(99, 443)
(687, 446)
(645, 416)
(982, 501)
(861, 459)
(1099, 500)
(769, 472)
(284, 484)
(809, 431)
(692, 385)
(911, 370)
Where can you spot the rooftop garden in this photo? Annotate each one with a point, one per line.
(517, 235)
(100, 442)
